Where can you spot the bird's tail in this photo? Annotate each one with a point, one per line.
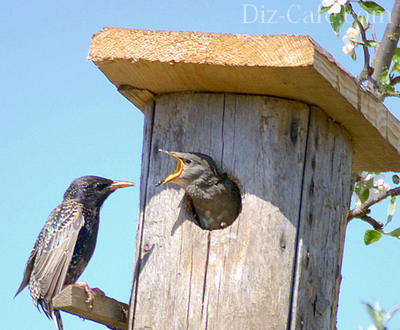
(55, 315)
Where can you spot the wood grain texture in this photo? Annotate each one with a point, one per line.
(246, 276)
(107, 311)
(326, 192)
(294, 67)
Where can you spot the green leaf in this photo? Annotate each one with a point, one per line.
(371, 7)
(356, 26)
(395, 67)
(371, 236)
(363, 22)
(395, 179)
(396, 58)
(388, 88)
(370, 183)
(348, 8)
(364, 195)
(391, 209)
(357, 189)
(370, 43)
(337, 21)
(384, 79)
(393, 311)
(385, 82)
(374, 313)
(395, 233)
(323, 10)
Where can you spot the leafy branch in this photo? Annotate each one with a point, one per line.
(365, 188)
(386, 50)
(361, 24)
(379, 316)
(380, 72)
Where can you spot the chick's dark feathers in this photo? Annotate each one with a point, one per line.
(213, 197)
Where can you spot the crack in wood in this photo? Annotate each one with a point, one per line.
(291, 319)
(138, 265)
(190, 293)
(222, 132)
(205, 273)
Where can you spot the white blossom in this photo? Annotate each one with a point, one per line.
(335, 6)
(379, 187)
(348, 47)
(350, 41)
(353, 34)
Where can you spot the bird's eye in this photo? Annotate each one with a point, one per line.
(101, 186)
(188, 161)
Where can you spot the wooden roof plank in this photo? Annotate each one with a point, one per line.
(143, 64)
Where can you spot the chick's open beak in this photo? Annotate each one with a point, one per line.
(177, 172)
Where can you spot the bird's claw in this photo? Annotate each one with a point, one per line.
(91, 293)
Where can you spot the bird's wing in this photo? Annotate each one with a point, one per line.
(28, 270)
(53, 256)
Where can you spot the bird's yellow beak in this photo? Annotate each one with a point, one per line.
(178, 169)
(120, 184)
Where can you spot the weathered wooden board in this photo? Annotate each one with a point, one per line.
(326, 192)
(241, 277)
(265, 140)
(161, 226)
(143, 63)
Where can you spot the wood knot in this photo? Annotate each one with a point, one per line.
(282, 242)
(294, 131)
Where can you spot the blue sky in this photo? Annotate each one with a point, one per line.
(61, 118)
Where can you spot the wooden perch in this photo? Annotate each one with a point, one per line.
(107, 311)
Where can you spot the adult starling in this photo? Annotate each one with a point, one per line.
(66, 242)
(215, 199)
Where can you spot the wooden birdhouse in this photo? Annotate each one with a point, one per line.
(280, 115)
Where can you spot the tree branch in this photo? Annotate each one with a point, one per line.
(387, 46)
(387, 94)
(367, 70)
(395, 80)
(373, 34)
(376, 224)
(362, 211)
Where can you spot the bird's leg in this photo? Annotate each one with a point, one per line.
(90, 292)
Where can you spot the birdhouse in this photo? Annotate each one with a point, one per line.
(290, 125)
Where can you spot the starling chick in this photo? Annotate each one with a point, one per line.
(66, 242)
(214, 197)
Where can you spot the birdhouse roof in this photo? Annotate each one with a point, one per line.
(143, 63)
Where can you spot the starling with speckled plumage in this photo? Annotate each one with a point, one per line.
(213, 197)
(66, 242)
